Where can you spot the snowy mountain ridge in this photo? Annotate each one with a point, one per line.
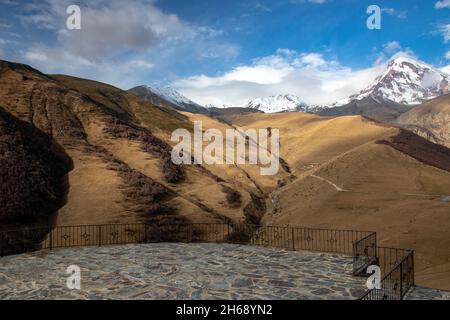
(281, 103)
(405, 81)
(172, 95)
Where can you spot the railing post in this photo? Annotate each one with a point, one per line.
(1, 243)
(51, 239)
(293, 239)
(100, 235)
(401, 280)
(145, 233)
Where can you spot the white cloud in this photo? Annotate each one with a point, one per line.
(392, 46)
(442, 4)
(218, 50)
(312, 59)
(308, 75)
(36, 56)
(445, 30)
(391, 49)
(4, 45)
(395, 13)
(446, 69)
(126, 73)
(261, 7)
(9, 2)
(309, 1)
(2, 52)
(113, 27)
(118, 37)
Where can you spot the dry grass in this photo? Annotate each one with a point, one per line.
(125, 106)
(150, 143)
(389, 188)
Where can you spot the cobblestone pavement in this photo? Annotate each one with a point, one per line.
(180, 271)
(422, 293)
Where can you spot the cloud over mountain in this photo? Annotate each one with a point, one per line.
(116, 38)
(308, 75)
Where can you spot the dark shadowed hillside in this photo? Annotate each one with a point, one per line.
(32, 171)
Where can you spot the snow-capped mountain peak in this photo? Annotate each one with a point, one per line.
(405, 81)
(167, 96)
(172, 95)
(279, 103)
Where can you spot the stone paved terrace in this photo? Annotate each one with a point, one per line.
(422, 293)
(180, 271)
(186, 271)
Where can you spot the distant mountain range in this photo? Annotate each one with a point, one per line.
(281, 103)
(396, 96)
(405, 82)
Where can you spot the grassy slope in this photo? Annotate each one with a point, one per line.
(385, 190)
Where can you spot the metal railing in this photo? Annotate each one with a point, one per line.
(364, 254)
(397, 269)
(397, 265)
(286, 237)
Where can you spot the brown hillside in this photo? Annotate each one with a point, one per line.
(347, 179)
(120, 149)
(430, 120)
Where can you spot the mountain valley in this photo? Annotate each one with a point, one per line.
(103, 156)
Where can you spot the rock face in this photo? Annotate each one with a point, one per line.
(430, 120)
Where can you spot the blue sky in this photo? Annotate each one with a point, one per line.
(226, 52)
